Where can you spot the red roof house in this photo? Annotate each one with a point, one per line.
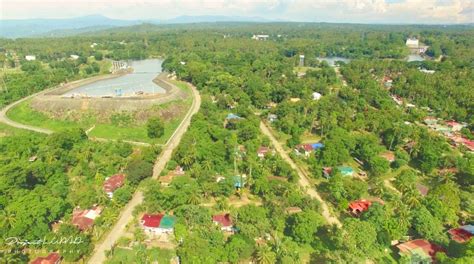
(388, 155)
(454, 126)
(152, 221)
(158, 223)
(424, 250)
(224, 221)
(469, 144)
(84, 219)
(262, 151)
(462, 234)
(359, 206)
(113, 183)
(53, 258)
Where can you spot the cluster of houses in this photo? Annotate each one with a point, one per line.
(423, 251)
(308, 148)
(260, 37)
(450, 130)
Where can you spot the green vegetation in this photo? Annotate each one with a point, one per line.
(418, 181)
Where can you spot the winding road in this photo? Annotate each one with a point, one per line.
(118, 230)
(303, 177)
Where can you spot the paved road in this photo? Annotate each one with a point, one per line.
(119, 228)
(303, 177)
(6, 120)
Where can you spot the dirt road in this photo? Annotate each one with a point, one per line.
(119, 228)
(303, 177)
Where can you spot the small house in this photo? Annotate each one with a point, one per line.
(84, 219)
(422, 189)
(30, 57)
(224, 221)
(33, 158)
(346, 171)
(74, 56)
(113, 183)
(388, 155)
(327, 172)
(52, 258)
(272, 118)
(306, 149)
(156, 224)
(462, 234)
(358, 207)
(263, 151)
(387, 82)
(179, 170)
(239, 181)
(454, 126)
(260, 37)
(293, 210)
(317, 96)
(430, 120)
(419, 250)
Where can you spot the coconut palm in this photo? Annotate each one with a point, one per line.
(265, 255)
(7, 219)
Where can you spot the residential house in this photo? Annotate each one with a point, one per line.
(419, 250)
(388, 155)
(263, 151)
(74, 56)
(317, 96)
(30, 57)
(346, 170)
(113, 183)
(52, 258)
(327, 172)
(293, 210)
(272, 118)
(462, 234)
(239, 181)
(157, 224)
(422, 189)
(84, 219)
(260, 37)
(430, 120)
(387, 82)
(306, 149)
(454, 126)
(358, 207)
(224, 221)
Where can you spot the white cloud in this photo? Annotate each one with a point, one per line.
(364, 11)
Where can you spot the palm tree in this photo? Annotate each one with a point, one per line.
(411, 197)
(207, 165)
(7, 219)
(194, 198)
(264, 255)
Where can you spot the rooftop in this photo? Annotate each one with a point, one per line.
(223, 219)
(113, 183)
(52, 258)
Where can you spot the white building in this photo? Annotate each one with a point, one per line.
(30, 57)
(317, 96)
(412, 43)
(301, 60)
(260, 37)
(74, 56)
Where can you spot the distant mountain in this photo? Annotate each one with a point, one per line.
(16, 28)
(201, 19)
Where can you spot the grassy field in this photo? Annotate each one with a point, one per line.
(155, 255)
(6, 130)
(24, 114)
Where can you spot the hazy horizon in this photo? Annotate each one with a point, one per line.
(331, 11)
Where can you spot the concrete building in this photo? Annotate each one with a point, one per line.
(301, 64)
(30, 57)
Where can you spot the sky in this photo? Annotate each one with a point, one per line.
(344, 11)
